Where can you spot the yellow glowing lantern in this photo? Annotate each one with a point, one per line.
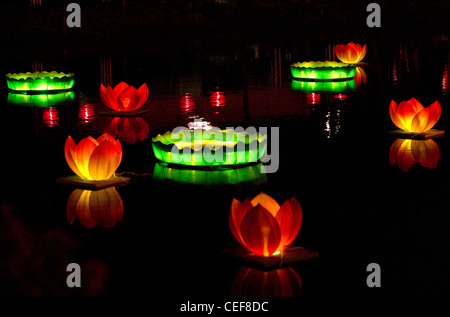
(262, 226)
(94, 159)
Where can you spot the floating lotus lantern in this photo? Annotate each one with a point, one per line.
(351, 53)
(412, 118)
(94, 159)
(262, 226)
(212, 147)
(95, 207)
(40, 81)
(323, 86)
(130, 130)
(329, 70)
(406, 153)
(124, 97)
(281, 282)
(253, 174)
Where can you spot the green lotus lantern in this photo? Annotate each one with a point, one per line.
(40, 81)
(328, 70)
(323, 86)
(220, 176)
(209, 148)
(41, 100)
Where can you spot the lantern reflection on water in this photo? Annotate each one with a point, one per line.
(129, 130)
(406, 153)
(323, 86)
(41, 100)
(50, 117)
(281, 282)
(228, 176)
(86, 113)
(100, 207)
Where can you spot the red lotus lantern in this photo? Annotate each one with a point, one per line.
(93, 159)
(124, 97)
(406, 153)
(351, 53)
(262, 226)
(129, 130)
(282, 282)
(99, 207)
(411, 116)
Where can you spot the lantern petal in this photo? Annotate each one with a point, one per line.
(267, 202)
(103, 161)
(143, 95)
(289, 219)
(120, 87)
(83, 153)
(426, 118)
(363, 53)
(112, 98)
(237, 212)
(260, 231)
(128, 99)
(105, 136)
(394, 116)
(104, 96)
(417, 106)
(406, 113)
(69, 153)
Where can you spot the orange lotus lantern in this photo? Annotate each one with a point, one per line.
(262, 226)
(95, 207)
(93, 159)
(406, 153)
(411, 116)
(124, 97)
(351, 53)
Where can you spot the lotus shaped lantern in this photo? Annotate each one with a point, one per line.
(350, 53)
(40, 81)
(124, 97)
(262, 226)
(411, 116)
(93, 159)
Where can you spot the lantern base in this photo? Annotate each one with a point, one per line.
(78, 182)
(290, 256)
(430, 134)
(123, 113)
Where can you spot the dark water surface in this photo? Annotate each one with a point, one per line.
(169, 241)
